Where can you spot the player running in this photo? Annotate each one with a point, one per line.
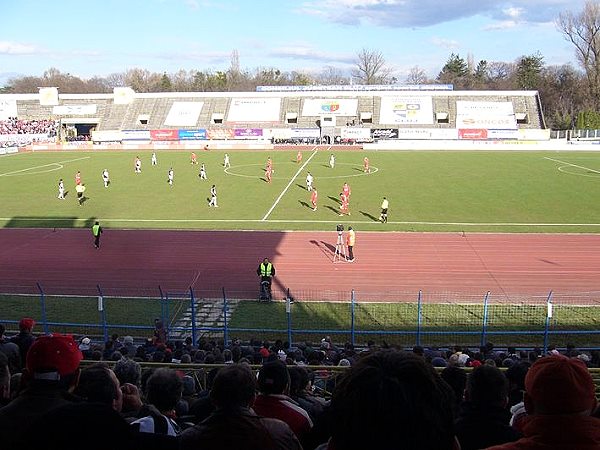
(269, 173)
(309, 182)
(138, 165)
(213, 197)
(105, 178)
(314, 196)
(202, 173)
(299, 157)
(193, 159)
(346, 190)
(344, 204)
(78, 178)
(171, 176)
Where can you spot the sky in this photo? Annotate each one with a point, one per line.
(97, 38)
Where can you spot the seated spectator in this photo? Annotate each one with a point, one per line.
(273, 400)
(83, 425)
(128, 371)
(99, 384)
(300, 392)
(130, 346)
(560, 397)
(392, 400)
(484, 417)
(11, 350)
(163, 391)
(52, 372)
(457, 380)
(24, 339)
(4, 380)
(234, 425)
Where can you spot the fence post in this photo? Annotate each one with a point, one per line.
(43, 308)
(485, 317)
(225, 330)
(419, 316)
(193, 312)
(548, 317)
(288, 311)
(352, 306)
(102, 311)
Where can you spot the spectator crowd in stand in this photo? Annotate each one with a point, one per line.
(14, 125)
(379, 396)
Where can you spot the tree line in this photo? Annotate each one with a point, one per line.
(570, 96)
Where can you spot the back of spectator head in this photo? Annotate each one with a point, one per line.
(486, 386)
(391, 400)
(273, 378)
(234, 386)
(559, 385)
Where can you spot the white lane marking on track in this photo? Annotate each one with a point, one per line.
(59, 163)
(289, 184)
(474, 224)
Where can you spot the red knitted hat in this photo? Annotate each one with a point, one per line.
(26, 323)
(53, 355)
(560, 385)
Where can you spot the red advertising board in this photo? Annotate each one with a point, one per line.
(164, 135)
(472, 133)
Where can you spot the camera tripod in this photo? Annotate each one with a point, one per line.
(340, 248)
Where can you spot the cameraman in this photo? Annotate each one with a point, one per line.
(266, 270)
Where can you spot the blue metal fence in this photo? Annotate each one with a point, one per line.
(185, 313)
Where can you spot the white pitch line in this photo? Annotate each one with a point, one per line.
(571, 164)
(289, 184)
(45, 165)
(370, 222)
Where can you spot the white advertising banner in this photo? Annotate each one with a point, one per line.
(428, 133)
(327, 106)
(301, 133)
(184, 114)
(74, 110)
(254, 110)
(485, 115)
(8, 108)
(107, 135)
(406, 110)
(356, 133)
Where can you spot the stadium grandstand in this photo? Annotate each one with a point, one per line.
(269, 116)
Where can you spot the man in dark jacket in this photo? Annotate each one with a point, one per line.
(234, 424)
(24, 339)
(484, 416)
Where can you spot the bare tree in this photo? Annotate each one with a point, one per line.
(371, 68)
(331, 76)
(416, 75)
(583, 31)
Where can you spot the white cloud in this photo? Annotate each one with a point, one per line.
(449, 44)
(17, 48)
(305, 52)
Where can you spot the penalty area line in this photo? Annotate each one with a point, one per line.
(288, 185)
(571, 164)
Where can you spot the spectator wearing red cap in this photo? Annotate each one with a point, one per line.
(559, 398)
(52, 372)
(24, 339)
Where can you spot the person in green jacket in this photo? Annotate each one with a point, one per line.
(97, 231)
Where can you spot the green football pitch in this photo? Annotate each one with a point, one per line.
(427, 190)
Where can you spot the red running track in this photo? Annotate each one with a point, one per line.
(136, 262)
